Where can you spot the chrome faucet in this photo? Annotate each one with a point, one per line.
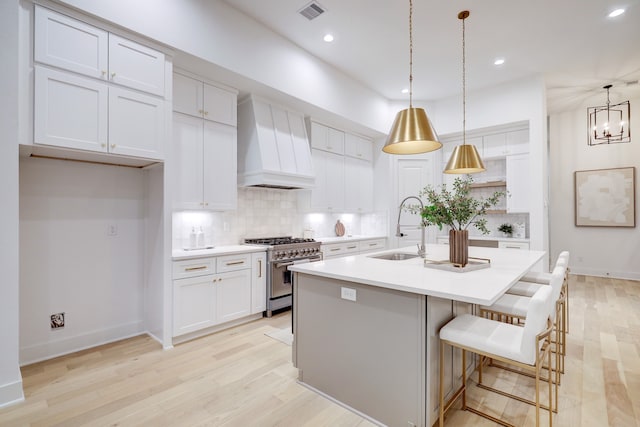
(422, 251)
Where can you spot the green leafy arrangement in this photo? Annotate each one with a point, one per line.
(457, 208)
(506, 228)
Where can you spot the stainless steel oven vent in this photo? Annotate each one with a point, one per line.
(312, 10)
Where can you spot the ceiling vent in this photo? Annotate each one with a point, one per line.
(312, 10)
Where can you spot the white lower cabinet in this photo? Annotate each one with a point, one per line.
(215, 290)
(258, 282)
(194, 304)
(336, 250)
(233, 295)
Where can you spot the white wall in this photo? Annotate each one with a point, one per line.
(598, 251)
(69, 263)
(10, 378)
(217, 33)
(513, 102)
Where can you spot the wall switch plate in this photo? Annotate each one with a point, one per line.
(348, 294)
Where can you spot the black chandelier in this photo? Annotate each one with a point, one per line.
(609, 124)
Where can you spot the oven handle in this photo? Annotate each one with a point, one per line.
(299, 261)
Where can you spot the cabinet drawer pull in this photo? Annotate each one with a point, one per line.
(259, 268)
(235, 263)
(334, 249)
(513, 247)
(202, 267)
(373, 244)
(351, 247)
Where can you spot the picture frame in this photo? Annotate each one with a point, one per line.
(605, 197)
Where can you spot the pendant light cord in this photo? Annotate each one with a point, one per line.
(464, 88)
(410, 53)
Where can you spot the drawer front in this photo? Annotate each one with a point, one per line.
(513, 245)
(193, 267)
(333, 250)
(233, 262)
(372, 245)
(351, 248)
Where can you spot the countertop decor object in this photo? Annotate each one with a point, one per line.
(339, 229)
(506, 229)
(458, 210)
(465, 157)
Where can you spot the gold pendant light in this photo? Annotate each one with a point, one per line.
(465, 157)
(412, 132)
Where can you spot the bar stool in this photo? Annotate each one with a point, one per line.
(543, 278)
(524, 347)
(515, 308)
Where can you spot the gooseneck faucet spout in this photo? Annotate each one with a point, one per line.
(421, 247)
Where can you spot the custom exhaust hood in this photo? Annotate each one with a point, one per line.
(273, 148)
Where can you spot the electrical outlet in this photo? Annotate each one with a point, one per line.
(348, 294)
(57, 320)
(112, 230)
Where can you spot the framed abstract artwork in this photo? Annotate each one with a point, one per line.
(605, 197)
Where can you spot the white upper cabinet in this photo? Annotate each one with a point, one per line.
(506, 143)
(136, 124)
(328, 194)
(73, 45)
(205, 161)
(71, 111)
(70, 44)
(358, 147)
(358, 184)
(136, 66)
(327, 138)
(200, 99)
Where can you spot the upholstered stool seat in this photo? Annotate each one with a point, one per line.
(524, 347)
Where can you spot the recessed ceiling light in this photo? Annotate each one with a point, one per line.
(328, 38)
(405, 90)
(498, 61)
(616, 12)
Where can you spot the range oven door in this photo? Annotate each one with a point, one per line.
(281, 276)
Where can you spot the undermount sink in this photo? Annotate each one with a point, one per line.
(395, 256)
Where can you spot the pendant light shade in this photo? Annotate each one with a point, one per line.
(465, 157)
(411, 133)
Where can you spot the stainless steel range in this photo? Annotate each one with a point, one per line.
(281, 253)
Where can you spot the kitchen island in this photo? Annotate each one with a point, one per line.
(366, 329)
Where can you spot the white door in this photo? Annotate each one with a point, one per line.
(70, 111)
(518, 183)
(136, 66)
(220, 167)
(66, 43)
(413, 176)
(136, 125)
(233, 295)
(188, 159)
(194, 304)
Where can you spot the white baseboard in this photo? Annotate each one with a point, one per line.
(51, 349)
(625, 275)
(11, 394)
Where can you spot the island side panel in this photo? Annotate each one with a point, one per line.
(368, 354)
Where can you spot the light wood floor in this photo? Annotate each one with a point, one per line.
(240, 377)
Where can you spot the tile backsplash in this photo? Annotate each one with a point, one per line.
(265, 212)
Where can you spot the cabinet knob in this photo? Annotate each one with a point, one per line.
(206, 203)
(206, 113)
(113, 75)
(104, 73)
(113, 146)
(104, 145)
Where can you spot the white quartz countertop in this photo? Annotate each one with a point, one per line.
(179, 254)
(483, 286)
(350, 238)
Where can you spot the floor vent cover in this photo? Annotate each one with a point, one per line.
(312, 10)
